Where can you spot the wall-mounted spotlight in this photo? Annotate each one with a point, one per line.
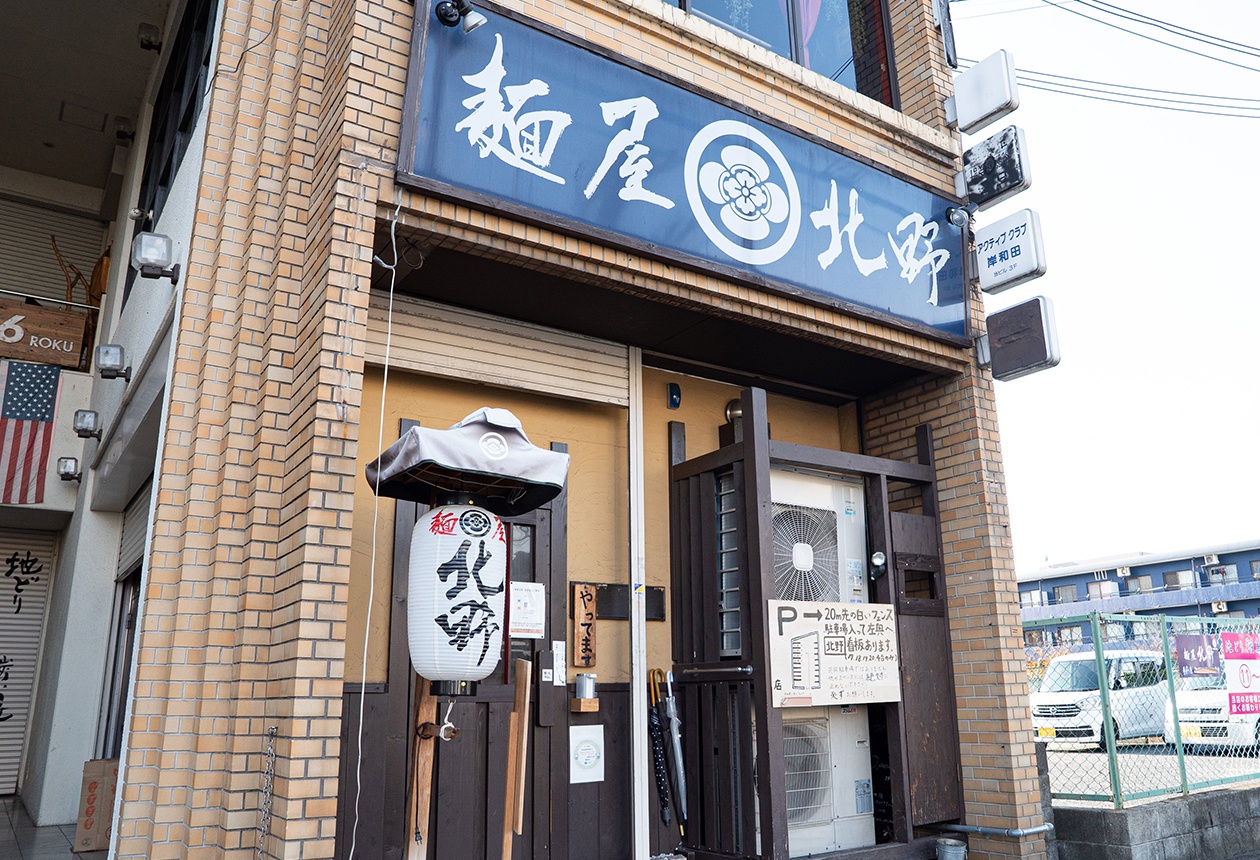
(87, 424)
(68, 469)
(958, 216)
(879, 565)
(452, 12)
(111, 362)
(150, 37)
(151, 255)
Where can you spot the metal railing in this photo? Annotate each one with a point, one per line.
(1173, 712)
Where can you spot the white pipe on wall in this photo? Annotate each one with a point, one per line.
(639, 770)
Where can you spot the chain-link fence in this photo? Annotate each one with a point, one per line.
(1142, 706)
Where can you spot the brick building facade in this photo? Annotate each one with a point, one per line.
(268, 565)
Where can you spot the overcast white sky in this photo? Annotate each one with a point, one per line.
(1146, 437)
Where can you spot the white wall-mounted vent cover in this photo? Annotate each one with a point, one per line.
(806, 558)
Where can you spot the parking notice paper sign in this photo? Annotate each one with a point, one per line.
(1242, 671)
(832, 653)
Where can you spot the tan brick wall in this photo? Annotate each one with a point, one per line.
(244, 621)
(923, 75)
(243, 626)
(1000, 785)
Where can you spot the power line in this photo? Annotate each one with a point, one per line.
(1114, 85)
(1122, 101)
(1065, 8)
(999, 12)
(1036, 7)
(1137, 96)
(1196, 35)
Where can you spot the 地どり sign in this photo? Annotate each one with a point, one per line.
(42, 335)
(832, 653)
(547, 129)
(1241, 656)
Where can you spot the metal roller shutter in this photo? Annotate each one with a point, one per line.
(444, 341)
(27, 263)
(27, 561)
(135, 527)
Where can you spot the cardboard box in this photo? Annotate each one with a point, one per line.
(96, 805)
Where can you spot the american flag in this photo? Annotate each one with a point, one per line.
(26, 425)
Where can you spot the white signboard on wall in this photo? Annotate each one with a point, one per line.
(1009, 252)
(832, 653)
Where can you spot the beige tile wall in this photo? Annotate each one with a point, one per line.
(244, 621)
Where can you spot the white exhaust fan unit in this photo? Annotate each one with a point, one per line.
(827, 759)
(819, 539)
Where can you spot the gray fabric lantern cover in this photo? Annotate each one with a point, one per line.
(487, 454)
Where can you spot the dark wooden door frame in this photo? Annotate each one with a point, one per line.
(749, 455)
(384, 761)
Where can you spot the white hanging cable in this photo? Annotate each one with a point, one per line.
(376, 504)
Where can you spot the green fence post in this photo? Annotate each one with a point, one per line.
(1108, 735)
(1172, 699)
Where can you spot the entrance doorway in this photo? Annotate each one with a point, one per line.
(470, 774)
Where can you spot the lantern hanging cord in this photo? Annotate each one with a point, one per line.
(376, 504)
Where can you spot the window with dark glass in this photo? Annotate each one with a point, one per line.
(1177, 580)
(176, 106)
(1065, 594)
(844, 40)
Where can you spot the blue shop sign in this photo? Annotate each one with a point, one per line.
(565, 134)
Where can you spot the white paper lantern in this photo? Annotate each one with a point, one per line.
(455, 600)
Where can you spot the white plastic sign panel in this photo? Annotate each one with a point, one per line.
(832, 653)
(1241, 653)
(1022, 339)
(586, 754)
(986, 92)
(997, 168)
(1010, 252)
(527, 611)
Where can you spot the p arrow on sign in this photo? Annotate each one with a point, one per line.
(1010, 252)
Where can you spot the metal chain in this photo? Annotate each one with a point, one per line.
(269, 772)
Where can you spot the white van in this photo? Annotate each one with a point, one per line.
(1068, 705)
(1205, 720)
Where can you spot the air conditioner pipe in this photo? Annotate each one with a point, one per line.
(995, 831)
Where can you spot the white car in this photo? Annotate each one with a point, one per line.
(1068, 704)
(1203, 710)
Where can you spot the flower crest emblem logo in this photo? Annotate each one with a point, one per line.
(737, 171)
(493, 445)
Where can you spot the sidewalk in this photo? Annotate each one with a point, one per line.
(20, 839)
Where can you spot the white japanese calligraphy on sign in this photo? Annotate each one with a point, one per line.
(739, 183)
(906, 252)
(629, 142)
(829, 218)
(531, 136)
